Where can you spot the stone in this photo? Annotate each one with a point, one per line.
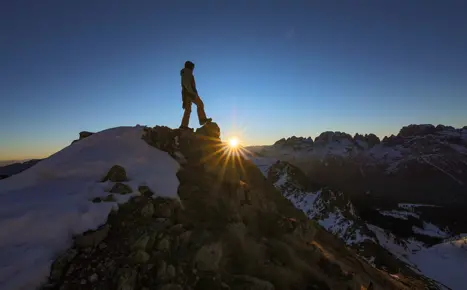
(163, 245)
(140, 257)
(208, 257)
(93, 278)
(209, 130)
(96, 200)
(163, 211)
(148, 210)
(126, 279)
(170, 287)
(171, 271)
(109, 198)
(61, 263)
(116, 174)
(121, 188)
(151, 241)
(252, 283)
(162, 270)
(141, 243)
(84, 134)
(161, 137)
(145, 190)
(176, 229)
(185, 238)
(92, 239)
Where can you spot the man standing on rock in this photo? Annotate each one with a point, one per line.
(190, 95)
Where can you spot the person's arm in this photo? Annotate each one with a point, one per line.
(187, 82)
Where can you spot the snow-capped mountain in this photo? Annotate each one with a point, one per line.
(394, 201)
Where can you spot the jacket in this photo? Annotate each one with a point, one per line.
(188, 83)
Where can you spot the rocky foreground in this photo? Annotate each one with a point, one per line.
(230, 229)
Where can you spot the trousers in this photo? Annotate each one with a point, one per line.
(187, 102)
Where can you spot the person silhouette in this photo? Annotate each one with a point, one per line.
(190, 96)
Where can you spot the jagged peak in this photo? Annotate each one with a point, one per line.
(331, 136)
(293, 140)
(413, 130)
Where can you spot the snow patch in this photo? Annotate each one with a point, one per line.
(402, 249)
(44, 206)
(431, 230)
(400, 214)
(446, 263)
(412, 206)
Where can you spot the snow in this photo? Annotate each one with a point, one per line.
(383, 152)
(263, 163)
(44, 206)
(399, 214)
(446, 263)
(459, 148)
(431, 230)
(442, 170)
(412, 206)
(402, 249)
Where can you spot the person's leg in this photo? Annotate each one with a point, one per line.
(186, 114)
(200, 110)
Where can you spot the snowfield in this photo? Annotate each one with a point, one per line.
(44, 206)
(446, 263)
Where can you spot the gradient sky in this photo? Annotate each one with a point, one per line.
(265, 69)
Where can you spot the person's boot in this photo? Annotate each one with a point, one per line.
(205, 121)
(184, 128)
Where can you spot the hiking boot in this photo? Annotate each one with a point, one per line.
(184, 128)
(205, 121)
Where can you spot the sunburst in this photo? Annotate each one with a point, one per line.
(234, 142)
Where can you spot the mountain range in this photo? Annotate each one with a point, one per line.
(399, 202)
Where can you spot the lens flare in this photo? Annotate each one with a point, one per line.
(233, 142)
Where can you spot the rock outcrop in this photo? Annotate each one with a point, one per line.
(83, 135)
(229, 229)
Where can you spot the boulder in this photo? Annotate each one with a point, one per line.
(84, 134)
(211, 130)
(93, 238)
(208, 257)
(161, 137)
(116, 174)
(121, 188)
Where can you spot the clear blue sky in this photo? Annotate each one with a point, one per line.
(265, 69)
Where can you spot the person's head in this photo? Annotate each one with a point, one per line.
(189, 65)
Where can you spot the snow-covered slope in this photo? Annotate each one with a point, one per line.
(17, 167)
(43, 207)
(446, 262)
(407, 249)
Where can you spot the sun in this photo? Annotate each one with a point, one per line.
(233, 142)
